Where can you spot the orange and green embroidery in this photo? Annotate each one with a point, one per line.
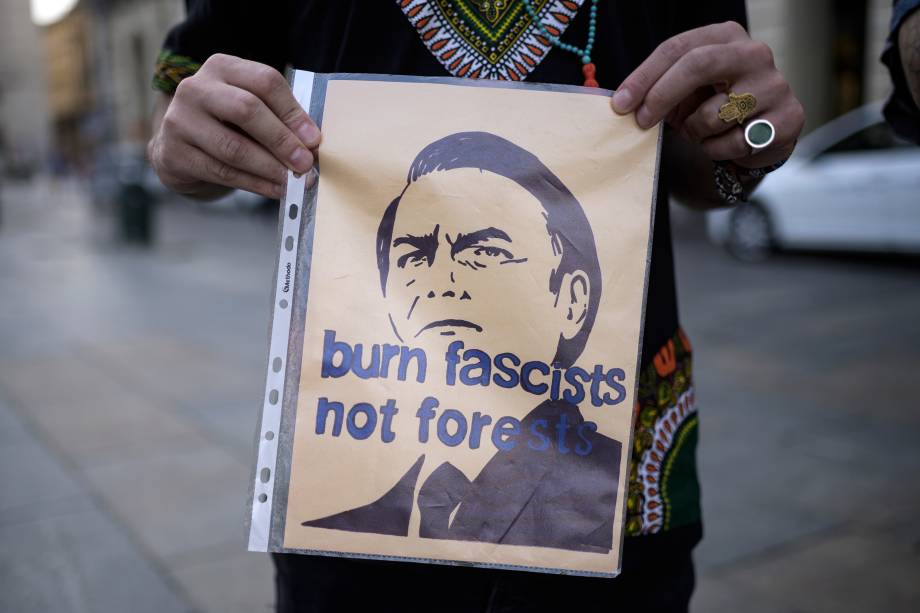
(488, 39)
(171, 68)
(663, 488)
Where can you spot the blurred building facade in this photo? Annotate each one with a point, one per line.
(101, 58)
(136, 29)
(25, 133)
(828, 49)
(81, 83)
(71, 88)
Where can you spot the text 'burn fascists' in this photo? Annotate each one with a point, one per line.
(469, 367)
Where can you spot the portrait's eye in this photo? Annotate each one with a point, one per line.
(481, 255)
(413, 258)
(491, 252)
(480, 249)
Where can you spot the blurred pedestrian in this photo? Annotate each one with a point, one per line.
(902, 57)
(226, 119)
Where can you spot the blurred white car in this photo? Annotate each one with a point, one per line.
(852, 185)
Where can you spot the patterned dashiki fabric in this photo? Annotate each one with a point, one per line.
(488, 39)
(664, 492)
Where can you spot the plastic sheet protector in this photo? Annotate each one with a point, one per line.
(456, 326)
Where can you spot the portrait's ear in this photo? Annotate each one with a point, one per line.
(572, 302)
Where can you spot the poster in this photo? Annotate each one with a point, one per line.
(456, 327)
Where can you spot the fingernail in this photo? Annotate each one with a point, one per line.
(308, 134)
(278, 191)
(622, 100)
(644, 117)
(301, 160)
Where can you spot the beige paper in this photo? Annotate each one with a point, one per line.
(523, 232)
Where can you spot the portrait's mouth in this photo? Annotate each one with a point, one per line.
(450, 323)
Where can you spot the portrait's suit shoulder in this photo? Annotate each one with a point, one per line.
(438, 497)
(389, 514)
(551, 497)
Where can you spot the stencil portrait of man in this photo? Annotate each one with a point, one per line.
(486, 245)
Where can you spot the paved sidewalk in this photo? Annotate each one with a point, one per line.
(135, 376)
(810, 430)
(130, 381)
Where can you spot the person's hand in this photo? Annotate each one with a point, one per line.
(236, 124)
(685, 80)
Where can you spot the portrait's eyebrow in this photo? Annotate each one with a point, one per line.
(467, 240)
(427, 243)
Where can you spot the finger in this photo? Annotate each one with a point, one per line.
(768, 157)
(699, 67)
(235, 149)
(688, 106)
(247, 111)
(206, 168)
(705, 122)
(732, 146)
(634, 88)
(273, 89)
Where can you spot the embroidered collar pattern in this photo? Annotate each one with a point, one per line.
(488, 39)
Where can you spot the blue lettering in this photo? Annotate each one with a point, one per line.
(405, 358)
(478, 423)
(370, 421)
(511, 373)
(330, 348)
(388, 410)
(544, 440)
(322, 416)
(506, 428)
(554, 389)
(425, 414)
(484, 366)
(389, 352)
(562, 426)
(527, 384)
(577, 394)
(452, 357)
(596, 377)
(372, 370)
(586, 448)
(452, 440)
(614, 376)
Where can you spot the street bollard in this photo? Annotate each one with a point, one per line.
(135, 212)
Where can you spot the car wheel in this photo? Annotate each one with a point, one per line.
(750, 236)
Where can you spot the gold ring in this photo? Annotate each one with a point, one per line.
(738, 107)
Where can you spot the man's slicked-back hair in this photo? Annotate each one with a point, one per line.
(566, 222)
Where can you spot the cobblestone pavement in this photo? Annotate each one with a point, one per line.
(129, 381)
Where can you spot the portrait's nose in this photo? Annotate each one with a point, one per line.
(447, 280)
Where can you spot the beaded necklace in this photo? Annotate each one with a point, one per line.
(588, 68)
